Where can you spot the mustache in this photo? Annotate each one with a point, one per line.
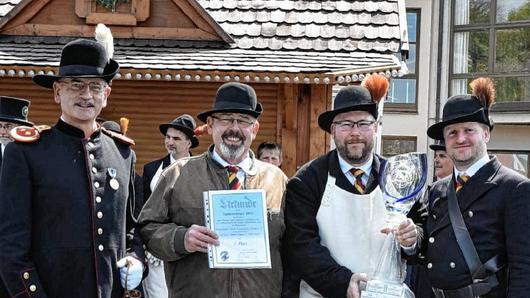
(234, 134)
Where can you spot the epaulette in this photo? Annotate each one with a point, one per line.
(28, 134)
(119, 137)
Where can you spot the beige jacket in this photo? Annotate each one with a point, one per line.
(177, 203)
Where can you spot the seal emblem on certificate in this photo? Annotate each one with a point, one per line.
(239, 217)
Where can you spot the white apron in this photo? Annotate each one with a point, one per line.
(155, 282)
(350, 227)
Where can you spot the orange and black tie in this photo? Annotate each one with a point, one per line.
(233, 181)
(358, 174)
(460, 181)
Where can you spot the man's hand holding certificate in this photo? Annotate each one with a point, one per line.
(237, 222)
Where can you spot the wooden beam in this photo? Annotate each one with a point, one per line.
(141, 9)
(26, 14)
(317, 136)
(123, 19)
(303, 125)
(82, 8)
(289, 152)
(290, 106)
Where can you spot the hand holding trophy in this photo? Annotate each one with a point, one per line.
(402, 181)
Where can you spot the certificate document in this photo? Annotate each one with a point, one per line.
(239, 217)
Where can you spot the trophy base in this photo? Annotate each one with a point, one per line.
(381, 289)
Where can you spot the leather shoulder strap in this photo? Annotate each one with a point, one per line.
(461, 233)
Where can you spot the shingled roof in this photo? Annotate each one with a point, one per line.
(324, 41)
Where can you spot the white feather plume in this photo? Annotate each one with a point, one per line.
(104, 37)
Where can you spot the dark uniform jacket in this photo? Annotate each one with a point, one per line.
(150, 171)
(304, 255)
(177, 203)
(63, 226)
(495, 204)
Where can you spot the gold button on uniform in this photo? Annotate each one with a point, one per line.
(33, 288)
(26, 275)
(452, 265)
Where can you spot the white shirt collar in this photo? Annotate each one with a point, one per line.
(474, 167)
(346, 167)
(244, 164)
(172, 160)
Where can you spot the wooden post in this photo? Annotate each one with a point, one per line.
(288, 98)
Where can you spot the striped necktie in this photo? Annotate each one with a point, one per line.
(460, 181)
(233, 181)
(358, 174)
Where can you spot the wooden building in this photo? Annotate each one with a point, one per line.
(174, 54)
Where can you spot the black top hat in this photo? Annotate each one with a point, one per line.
(14, 110)
(112, 126)
(184, 123)
(82, 58)
(234, 98)
(438, 146)
(350, 98)
(458, 109)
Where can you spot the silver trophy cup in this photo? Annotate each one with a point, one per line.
(402, 180)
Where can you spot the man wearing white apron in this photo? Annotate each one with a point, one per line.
(179, 139)
(334, 211)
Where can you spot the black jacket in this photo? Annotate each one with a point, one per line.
(150, 171)
(304, 255)
(495, 204)
(63, 225)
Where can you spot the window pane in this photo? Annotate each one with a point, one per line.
(514, 161)
(512, 89)
(412, 25)
(470, 52)
(513, 10)
(402, 91)
(472, 12)
(459, 86)
(512, 50)
(397, 145)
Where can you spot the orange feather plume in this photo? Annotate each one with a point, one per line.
(200, 130)
(484, 89)
(377, 85)
(124, 125)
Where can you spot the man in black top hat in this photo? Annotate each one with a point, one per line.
(443, 165)
(334, 210)
(179, 139)
(478, 227)
(67, 205)
(172, 220)
(13, 112)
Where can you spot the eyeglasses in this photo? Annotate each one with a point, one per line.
(78, 86)
(347, 125)
(225, 121)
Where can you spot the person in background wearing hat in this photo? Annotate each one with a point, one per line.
(270, 152)
(179, 139)
(334, 212)
(173, 222)
(477, 223)
(443, 165)
(13, 112)
(67, 193)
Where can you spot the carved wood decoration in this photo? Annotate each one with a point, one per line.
(139, 19)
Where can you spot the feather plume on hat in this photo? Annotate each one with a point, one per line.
(124, 125)
(200, 130)
(377, 85)
(484, 89)
(104, 37)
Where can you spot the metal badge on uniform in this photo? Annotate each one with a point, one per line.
(114, 184)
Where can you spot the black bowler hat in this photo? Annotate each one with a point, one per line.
(14, 110)
(466, 108)
(112, 126)
(184, 123)
(82, 58)
(234, 98)
(438, 146)
(356, 98)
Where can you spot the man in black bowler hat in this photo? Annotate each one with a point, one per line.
(67, 192)
(13, 112)
(335, 212)
(179, 138)
(172, 220)
(443, 165)
(477, 224)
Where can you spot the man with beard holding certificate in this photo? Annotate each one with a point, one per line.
(334, 209)
(173, 220)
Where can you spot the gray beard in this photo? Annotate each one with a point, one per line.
(231, 152)
(5, 141)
